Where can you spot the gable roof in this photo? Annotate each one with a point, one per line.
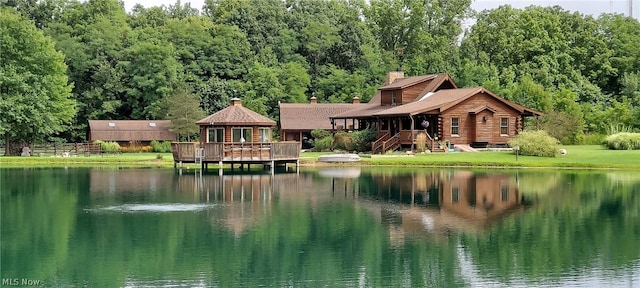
(373, 106)
(444, 99)
(236, 115)
(130, 130)
(305, 116)
(406, 82)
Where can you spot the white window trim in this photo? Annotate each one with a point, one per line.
(451, 127)
(501, 134)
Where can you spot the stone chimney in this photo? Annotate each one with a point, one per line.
(236, 102)
(313, 100)
(393, 75)
(356, 99)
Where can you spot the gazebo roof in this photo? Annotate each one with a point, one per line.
(236, 114)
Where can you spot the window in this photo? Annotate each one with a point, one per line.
(215, 135)
(384, 124)
(455, 194)
(241, 134)
(504, 126)
(264, 134)
(455, 126)
(393, 98)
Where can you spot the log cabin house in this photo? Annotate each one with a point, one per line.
(433, 107)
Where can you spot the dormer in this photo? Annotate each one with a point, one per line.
(406, 90)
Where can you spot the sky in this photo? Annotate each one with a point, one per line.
(590, 7)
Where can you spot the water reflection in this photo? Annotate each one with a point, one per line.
(322, 227)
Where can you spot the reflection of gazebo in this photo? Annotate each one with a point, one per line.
(236, 135)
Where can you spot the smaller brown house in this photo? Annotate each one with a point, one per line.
(124, 132)
(297, 120)
(235, 124)
(236, 135)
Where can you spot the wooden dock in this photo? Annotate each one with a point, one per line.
(267, 154)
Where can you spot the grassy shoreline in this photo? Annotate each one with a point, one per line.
(578, 157)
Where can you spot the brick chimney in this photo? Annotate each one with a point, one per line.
(393, 75)
(236, 102)
(356, 99)
(313, 100)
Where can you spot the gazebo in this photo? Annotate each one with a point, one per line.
(236, 135)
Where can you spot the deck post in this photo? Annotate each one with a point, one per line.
(298, 166)
(273, 164)
(220, 167)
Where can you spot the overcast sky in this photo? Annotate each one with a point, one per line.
(592, 7)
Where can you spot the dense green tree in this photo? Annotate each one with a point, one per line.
(182, 107)
(35, 94)
(151, 74)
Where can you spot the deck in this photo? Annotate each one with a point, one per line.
(268, 154)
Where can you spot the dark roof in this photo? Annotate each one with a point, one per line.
(447, 98)
(130, 130)
(236, 115)
(310, 116)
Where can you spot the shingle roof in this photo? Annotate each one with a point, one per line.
(303, 116)
(447, 98)
(236, 115)
(130, 130)
(409, 81)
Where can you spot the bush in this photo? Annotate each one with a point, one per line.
(342, 141)
(323, 144)
(536, 143)
(320, 133)
(362, 139)
(623, 141)
(110, 146)
(161, 147)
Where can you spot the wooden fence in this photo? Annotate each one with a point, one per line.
(63, 149)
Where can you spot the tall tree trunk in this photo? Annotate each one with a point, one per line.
(13, 148)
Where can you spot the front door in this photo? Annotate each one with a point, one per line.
(483, 127)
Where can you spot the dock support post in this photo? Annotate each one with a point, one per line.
(220, 168)
(273, 165)
(298, 166)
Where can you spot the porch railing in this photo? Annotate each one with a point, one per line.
(236, 151)
(392, 143)
(377, 145)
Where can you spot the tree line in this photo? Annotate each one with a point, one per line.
(67, 61)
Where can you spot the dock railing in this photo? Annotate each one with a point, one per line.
(236, 151)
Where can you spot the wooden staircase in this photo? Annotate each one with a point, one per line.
(385, 143)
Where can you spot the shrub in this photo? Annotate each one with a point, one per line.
(362, 139)
(536, 143)
(323, 144)
(342, 140)
(320, 133)
(161, 147)
(623, 141)
(110, 146)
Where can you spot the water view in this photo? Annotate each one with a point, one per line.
(323, 227)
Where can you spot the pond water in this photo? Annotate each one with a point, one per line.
(324, 227)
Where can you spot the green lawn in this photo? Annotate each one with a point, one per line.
(116, 160)
(584, 156)
(592, 156)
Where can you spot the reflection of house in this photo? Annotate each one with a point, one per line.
(441, 201)
(297, 120)
(236, 134)
(408, 106)
(127, 131)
